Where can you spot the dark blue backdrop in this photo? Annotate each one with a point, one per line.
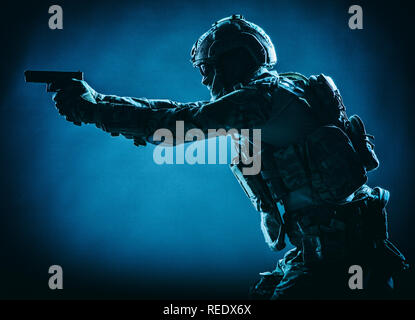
(122, 226)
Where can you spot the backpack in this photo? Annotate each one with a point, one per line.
(327, 106)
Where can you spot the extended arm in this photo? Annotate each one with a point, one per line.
(139, 118)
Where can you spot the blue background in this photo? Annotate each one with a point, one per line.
(121, 225)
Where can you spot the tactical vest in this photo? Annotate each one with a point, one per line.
(325, 168)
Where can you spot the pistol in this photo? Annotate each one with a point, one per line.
(54, 80)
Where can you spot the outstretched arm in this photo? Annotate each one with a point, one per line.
(139, 118)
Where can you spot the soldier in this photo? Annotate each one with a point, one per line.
(314, 160)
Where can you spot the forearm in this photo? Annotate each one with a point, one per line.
(139, 118)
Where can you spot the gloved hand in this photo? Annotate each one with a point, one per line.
(77, 101)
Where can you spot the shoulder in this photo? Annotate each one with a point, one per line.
(289, 83)
(293, 82)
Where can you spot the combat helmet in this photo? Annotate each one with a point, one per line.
(232, 33)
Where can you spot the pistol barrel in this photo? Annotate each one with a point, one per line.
(51, 76)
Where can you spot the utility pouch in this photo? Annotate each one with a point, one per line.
(375, 229)
(374, 215)
(325, 101)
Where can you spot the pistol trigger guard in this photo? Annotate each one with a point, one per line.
(53, 87)
(49, 88)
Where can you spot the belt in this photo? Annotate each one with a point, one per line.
(335, 216)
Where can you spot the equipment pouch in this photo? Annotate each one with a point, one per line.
(336, 171)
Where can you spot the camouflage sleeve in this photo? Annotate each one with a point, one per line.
(139, 118)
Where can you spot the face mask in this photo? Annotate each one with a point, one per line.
(213, 79)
